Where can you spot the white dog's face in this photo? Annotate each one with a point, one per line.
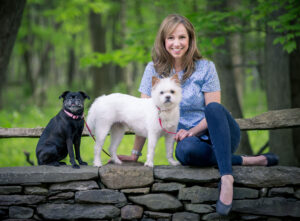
(166, 92)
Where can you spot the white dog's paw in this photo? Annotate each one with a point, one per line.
(174, 162)
(117, 161)
(148, 164)
(97, 164)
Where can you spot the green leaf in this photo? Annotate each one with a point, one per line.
(290, 46)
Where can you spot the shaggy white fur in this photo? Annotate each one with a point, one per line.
(115, 113)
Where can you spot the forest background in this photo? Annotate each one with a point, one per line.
(103, 46)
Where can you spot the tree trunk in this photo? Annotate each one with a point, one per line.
(117, 40)
(128, 69)
(71, 65)
(101, 83)
(278, 88)
(28, 40)
(226, 74)
(27, 56)
(11, 12)
(42, 78)
(295, 93)
(235, 44)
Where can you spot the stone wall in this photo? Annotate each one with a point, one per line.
(135, 192)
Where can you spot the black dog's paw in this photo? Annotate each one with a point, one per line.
(56, 164)
(83, 163)
(75, 166)
(62, 163)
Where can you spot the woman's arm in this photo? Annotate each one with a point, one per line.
(138, 145)
(209, 97)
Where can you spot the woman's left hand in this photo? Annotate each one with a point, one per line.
(181, 134)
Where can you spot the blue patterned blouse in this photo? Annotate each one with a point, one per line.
(203, 79)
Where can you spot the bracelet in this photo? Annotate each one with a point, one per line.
(137, 153)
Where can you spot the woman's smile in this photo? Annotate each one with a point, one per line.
(177, 42)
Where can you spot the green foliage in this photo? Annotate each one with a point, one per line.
(284, 18)
(255, 103)
(65, 26)
(119, 57)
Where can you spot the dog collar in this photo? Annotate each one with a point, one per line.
(160, 123)
(160, 110)
(75, 117)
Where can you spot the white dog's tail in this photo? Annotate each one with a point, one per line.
(91, 120)
(92, 115)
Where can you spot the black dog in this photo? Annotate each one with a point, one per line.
(62, 132)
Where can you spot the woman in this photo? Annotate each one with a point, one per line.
(207, 134)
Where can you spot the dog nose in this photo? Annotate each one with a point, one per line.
(168, 98)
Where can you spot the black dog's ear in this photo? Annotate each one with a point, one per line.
(63, 95)
(84, 95)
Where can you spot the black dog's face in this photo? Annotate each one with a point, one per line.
(74, 101)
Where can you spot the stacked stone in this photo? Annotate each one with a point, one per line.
(135, 192)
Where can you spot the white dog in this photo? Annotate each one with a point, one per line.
(117, 112)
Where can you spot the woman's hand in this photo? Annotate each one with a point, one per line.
(181, 134)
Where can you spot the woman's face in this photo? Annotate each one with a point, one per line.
(177, 42)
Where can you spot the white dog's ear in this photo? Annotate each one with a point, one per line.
(176, 79)
(155, 81)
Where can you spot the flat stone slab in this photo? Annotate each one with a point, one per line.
(199, 208)
(186, 174)
(158, 202)
(185, 216)
(259, 176)
(62, 196)
(216, 217)
(158, 215)
(198, 194)
(10, 189)
(126, 176)
(19, 212)
(77, 211)
(144, 190)
(252, 176)
(35, 190)
(276, 206)
(244, 193)
(104, 196)
(45, 174)
(9, 200)
(74, 186)
(130, 212)
(167, 187)
(281, 191)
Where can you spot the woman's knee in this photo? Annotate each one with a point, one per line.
(192, 151)
(213, 108)
(184, 149)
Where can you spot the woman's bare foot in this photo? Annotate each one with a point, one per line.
(254, 160)
(226, 194)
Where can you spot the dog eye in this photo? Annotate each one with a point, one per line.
(161, 92)
(172, 92)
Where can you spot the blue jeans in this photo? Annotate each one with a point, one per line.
(216, 146)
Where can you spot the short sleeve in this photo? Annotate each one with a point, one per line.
(211, 79)
(146, 83)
